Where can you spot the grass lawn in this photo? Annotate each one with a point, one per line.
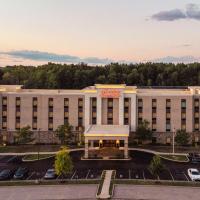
(32, 148)
(28, 148)
(35, 157)
(180, 158)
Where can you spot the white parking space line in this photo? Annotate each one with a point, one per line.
(186, 176)
(143, 175)
(58, 176)
(30, 175)
(129, 174)
(171, 175)
(87, 174)
(73, 175)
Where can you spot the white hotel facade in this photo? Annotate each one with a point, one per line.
(101, 115)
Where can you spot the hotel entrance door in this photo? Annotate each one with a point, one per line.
(110, 143)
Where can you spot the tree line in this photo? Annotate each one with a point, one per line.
(71, 76)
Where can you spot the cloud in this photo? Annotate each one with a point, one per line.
(27, 57)
(170, 15)
(172, 59)
(192, 11)
(184, 45)
(52, 57)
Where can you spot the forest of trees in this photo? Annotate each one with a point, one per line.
(53, 76)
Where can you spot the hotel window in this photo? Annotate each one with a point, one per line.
(110, 103)
(66, 120)
(80, 112)
(154, 114)
(94, 120)
(4, 113)
(183, 103)
(4, 101)
(34, 117)
(168, 126)
(50, 114)
(94, 110)
(110, 121)
(126, 110)
(168, 103)
(17, 112)
(34, 124)
(66, 110)
(168, 115)
(183, 114)
(80, 121)
(153, 127)
(196, 114)
(140, 110)
(110, 111)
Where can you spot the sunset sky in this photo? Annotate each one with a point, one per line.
(34, 32)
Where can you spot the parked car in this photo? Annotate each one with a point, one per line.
(15, 159)
(21, 173)
(50, 174)
(194, 157)
(6, 174)
(194, 174)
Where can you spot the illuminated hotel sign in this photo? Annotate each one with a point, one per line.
(110, 93)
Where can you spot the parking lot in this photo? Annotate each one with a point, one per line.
(137, 168)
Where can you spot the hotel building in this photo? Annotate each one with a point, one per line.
(101, 115)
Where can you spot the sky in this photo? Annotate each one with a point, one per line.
(35, 32)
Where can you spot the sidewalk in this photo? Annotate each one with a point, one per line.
(81, 149)
(106, 185)
(35, 153)
(157, 152)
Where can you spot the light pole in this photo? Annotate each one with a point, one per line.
(38, 143)
(173, 137)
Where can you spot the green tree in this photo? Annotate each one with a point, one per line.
(63, 162)
(65, 134)
(24, 135)
(156, 166)
(143, 132)
(78, 76)
(182, 137)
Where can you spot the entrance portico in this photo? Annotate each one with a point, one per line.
(109, 136)
(110, 113)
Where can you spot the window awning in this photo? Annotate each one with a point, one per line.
(107, 131)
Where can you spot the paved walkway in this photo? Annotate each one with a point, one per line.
(106, 185)
(138, 192)
(56, 192)
(81, 149)
(156, 152)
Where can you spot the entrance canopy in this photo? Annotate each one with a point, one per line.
(107, 131)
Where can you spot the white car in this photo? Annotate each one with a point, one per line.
(194, 174)
(50, 174)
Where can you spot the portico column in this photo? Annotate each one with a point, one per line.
(121, 110)
(126, 148)
(133, 112)
(99, 107)
(92, 143)
(86, 148)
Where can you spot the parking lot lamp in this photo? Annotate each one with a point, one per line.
(38, 143)
(173, 138)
